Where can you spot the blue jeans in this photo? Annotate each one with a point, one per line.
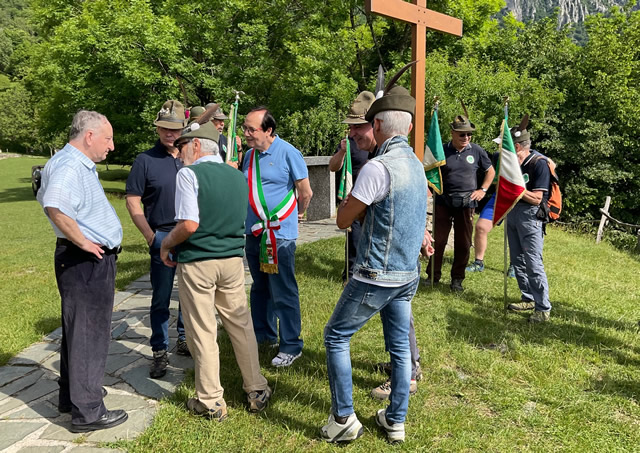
(524, 232)
(274, 297)
(162, 285)
(359, 303)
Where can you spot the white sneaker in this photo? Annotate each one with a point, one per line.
(395, 432)
(283, 359)
(335, 432)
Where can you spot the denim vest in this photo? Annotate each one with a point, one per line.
(393, 228)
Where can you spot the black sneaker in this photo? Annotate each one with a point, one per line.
(182, 348)
(159, 366)
(456, 285)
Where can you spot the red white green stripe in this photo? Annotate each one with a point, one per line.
(269, 221)
(511, 185)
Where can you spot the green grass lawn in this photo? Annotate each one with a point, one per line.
(29, 300)
(491, 381)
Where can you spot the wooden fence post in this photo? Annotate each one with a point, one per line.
(603, 220)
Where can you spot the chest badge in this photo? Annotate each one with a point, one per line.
(470, 159)
(526, 178)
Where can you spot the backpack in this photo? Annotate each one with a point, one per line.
(553, 207)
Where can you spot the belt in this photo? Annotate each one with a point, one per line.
(68, 243)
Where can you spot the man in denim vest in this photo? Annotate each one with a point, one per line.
(391, 193)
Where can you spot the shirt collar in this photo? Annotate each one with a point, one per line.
(209, 158)
(76, 153)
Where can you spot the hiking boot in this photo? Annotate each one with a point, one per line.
(395, 431)
(218, 412)
(427, 282)
(383, 391)
(511, 273)
(350, 430)
(522, 305)
(476, 266)
(182, 348)
(284, 360)
(539, 316)
(159, 366)
(456, 285)
(258, 399)
(385, 367)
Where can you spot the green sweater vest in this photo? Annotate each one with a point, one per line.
(223, 197)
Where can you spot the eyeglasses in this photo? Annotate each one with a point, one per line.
(182, 145)
(249, 129)
(465, 134)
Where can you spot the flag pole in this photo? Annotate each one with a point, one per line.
(504, 225)
(436, 100)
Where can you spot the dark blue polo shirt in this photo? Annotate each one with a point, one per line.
(358, 159)
(536, 174)
(153, 177)
(461, 170)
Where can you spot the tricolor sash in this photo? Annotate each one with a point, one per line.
(269, 221)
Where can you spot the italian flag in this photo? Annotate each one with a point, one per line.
(434, 155)
(346, 179)
(511, 185)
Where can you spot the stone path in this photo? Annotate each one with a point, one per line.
(29, 418)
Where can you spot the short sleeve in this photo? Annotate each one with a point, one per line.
(372, 184)
(136, 179)
(187, 196)
(485, 161)
(542, 176)
(298, 166)
(64, 189)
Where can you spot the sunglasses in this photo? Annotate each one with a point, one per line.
(465, 134)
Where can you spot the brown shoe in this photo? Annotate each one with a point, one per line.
(383, 391)
(523, 305)
(539, 316)
(259, 399)
(218, 412)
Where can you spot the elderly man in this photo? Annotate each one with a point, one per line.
(211, 206)
(152, 181)
(89, 236)
(361, 142)
(275, 171)
(459, 199)
(391, 192)
(525, 223)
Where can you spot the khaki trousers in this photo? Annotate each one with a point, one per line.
(218, 283)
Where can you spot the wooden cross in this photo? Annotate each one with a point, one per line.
(421, 19)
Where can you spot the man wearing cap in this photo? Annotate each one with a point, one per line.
(391, 193)
(361, 143)
(275, 171)
(459, 199)
(89, 236)
(152, 182)
(525, 223)
(218, 121)
(211, 205)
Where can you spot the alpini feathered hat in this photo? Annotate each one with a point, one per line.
(394, 97)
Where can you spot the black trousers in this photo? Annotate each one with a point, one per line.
(86, 286)
(462, 220)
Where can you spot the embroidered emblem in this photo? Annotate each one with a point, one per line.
(470, 159)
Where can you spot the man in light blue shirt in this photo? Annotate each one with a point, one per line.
(89, 236)
(275, 171)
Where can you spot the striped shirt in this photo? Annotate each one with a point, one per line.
(70, 183)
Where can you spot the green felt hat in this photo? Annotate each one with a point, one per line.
(520, 133)
(196, 130)
(171, 115)
(394, 97)
(462, 124)
(359, 108)
(195, 112)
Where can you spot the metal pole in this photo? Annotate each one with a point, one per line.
(505, 265)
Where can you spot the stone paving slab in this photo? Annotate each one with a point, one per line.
(29, 419)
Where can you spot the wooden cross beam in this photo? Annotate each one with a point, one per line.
(421, 19)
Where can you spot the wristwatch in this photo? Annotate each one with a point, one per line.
(483, 189)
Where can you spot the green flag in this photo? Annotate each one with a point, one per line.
(434, 155)
(346, 179)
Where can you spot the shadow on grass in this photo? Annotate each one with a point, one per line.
(114, 175)
(309, 264)
(16, 194)
(568, 326)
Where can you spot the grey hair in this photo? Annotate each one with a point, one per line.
(525, 144)
(85, 120)
(394, 122)
(209, 146)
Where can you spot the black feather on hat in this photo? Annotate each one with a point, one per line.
(394, 97)
(201, 128)
(520, 133)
